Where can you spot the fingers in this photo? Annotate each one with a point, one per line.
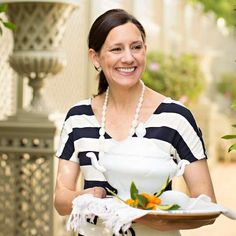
(96, 192)
(99, 192)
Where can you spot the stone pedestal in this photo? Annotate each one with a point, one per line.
(26, 178)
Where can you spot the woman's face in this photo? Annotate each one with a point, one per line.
(122, 56)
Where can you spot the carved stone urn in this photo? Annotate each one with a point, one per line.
(40, 27)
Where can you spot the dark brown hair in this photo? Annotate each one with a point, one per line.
(101, 28)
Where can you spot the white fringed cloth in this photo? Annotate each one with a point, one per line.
(117, 215)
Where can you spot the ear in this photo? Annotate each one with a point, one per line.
(145, 47)
(94, 57)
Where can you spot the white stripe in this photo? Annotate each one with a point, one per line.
(90, 173)
(63, 139)
(180, 124)
(81, 121)
(91, 144)
(84, 145)
(74, 157)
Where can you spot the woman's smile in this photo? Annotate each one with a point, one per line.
(126, 70)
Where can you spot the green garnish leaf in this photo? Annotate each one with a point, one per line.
(150, 208)
(163, 187)
(114, 194)
(142, 201)
(232, 147)
(168, 207)
(229, 136)
(133, 191)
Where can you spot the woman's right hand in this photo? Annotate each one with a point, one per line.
(65, 190)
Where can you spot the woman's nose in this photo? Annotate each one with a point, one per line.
(127, 56)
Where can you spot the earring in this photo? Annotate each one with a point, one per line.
(98, 69)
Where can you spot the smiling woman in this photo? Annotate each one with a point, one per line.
(122, 56)
(127, 132)
(100, 39)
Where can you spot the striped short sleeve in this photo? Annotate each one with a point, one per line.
(187, 137)
(73, 129)
(66, 149)
(175, 130)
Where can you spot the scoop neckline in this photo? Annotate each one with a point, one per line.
(145, 123)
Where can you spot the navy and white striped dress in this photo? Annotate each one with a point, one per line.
(172, 127)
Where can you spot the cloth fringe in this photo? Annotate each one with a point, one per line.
(115, 214)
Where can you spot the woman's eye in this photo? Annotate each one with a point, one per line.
(116, 49)
(137, 47)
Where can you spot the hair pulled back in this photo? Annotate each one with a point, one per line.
(101, 28)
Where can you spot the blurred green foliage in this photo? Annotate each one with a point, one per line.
(7, 24)
(226, 85)
(231, 136)
(178, 77)
(222, 8)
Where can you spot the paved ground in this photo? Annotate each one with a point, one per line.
(224, 180)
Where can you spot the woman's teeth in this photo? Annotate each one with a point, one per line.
(130, 69)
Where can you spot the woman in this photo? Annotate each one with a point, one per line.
(117, 49)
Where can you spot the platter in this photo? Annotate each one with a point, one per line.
(179, 219)
(185, 215)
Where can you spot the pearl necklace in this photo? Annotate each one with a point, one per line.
(133, 124)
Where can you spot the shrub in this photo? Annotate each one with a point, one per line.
(226, 85)
(231, 136)
(9, 25)
(178, 77)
